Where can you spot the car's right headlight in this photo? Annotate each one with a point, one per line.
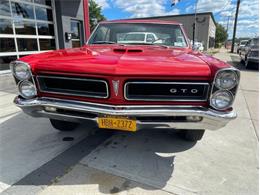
(224, 88)
(226, 79)
(221, 99)
(21, 70)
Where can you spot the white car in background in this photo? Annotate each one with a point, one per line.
(199, 46)
(140, 37)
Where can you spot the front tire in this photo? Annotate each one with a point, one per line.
(63, 125)
(192, 135)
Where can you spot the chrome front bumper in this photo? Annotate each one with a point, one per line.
(76, 111)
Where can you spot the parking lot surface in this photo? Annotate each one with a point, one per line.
(35, 159)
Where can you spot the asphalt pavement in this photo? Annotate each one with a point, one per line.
(36, 159)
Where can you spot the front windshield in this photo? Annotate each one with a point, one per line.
(138, 33)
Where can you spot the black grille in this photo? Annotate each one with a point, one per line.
(166, 91)
(73, 86)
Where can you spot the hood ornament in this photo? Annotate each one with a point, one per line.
(115, 86)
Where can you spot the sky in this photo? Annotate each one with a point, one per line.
(248, 20)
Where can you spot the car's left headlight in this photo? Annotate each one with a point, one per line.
(21, 70)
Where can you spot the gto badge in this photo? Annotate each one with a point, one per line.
(115, 86)
(173, 90)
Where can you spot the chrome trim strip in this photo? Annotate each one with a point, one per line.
(73, 78)
(211, 119)
(160, 82)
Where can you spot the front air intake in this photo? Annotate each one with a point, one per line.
(86, 87)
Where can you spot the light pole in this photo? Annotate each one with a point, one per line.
(235, 27)
(194, 25)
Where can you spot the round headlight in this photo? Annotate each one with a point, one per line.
(221, 100)
(226, 79)
(21, 70)
(27, 89)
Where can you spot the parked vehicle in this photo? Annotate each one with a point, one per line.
(250, 53)
(241, 45)
(198, 46)
(139, 37)
(129, 86)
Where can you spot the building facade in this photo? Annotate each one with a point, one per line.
(205, 30)
(33, 26)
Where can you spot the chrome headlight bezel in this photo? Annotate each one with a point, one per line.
(21, 84)
(219, 93)
(27, 78)
(231, 90)
(27, 70)
(220, 81)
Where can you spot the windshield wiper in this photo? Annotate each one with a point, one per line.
(104, 42)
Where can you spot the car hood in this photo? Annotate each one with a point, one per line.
(122, 60)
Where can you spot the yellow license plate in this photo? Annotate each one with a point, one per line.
(120, 123)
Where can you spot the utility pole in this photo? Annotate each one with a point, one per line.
(194, 25)
(235, 27)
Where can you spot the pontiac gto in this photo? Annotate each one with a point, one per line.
(129, 86)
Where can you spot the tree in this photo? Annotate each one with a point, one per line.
(221, 35)
(95, 15)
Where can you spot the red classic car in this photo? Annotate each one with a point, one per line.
(129, 85)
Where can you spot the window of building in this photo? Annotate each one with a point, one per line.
(43, 13)
(47, 44)
(76, 33)
(6, 26)
(5, 8)
(27, 44)
(45, 29)
(7, 45)
(26, 27)
(22, 10)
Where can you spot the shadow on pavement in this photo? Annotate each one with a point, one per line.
(146, 157)
(149, 155)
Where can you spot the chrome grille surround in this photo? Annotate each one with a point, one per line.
(43, 88)
(205, 92)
